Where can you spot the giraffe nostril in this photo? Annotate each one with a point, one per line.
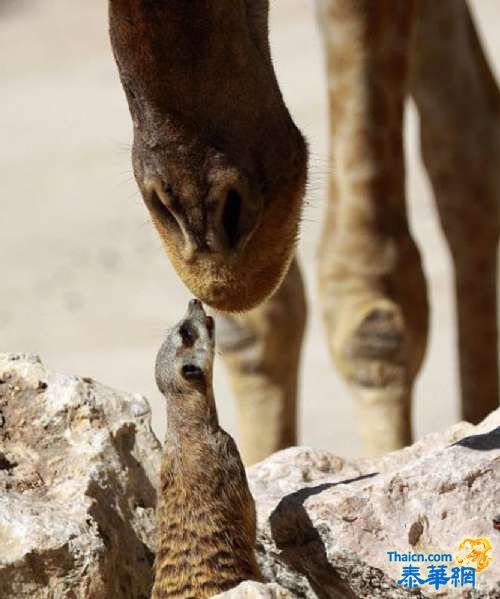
(231, 217)
(162, 211)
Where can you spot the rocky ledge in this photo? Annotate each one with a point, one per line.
(78, 472)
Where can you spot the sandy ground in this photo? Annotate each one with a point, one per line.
(84, 281)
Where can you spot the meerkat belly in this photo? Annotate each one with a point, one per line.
(205, 542)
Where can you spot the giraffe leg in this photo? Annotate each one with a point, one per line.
(371, 283)
(261, 350)
(459, 107)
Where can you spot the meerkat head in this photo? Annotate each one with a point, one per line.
(184, 363)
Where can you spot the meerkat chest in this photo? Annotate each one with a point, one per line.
(201, 531)
(202, 492)
(185, 494)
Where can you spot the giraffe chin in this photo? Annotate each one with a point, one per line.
(231, 286)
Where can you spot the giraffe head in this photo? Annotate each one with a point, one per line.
(218, 159)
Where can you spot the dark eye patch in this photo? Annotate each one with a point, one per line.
(188, 334)
(192, 372)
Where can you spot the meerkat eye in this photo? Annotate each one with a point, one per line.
(188, 334)
(192, 372)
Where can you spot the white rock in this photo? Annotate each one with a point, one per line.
(79, 467)
(78, 473)
(326, 525)
(256, 590)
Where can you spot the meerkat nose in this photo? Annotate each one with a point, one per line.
(195, 309)
(195, 304)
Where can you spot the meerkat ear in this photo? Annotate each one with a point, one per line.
(191, 372)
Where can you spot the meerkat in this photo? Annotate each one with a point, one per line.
(206, 513)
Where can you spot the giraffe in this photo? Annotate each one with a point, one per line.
(222, 169)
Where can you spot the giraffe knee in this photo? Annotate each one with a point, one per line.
(372, 352)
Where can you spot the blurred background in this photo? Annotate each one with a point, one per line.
(84, 281)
